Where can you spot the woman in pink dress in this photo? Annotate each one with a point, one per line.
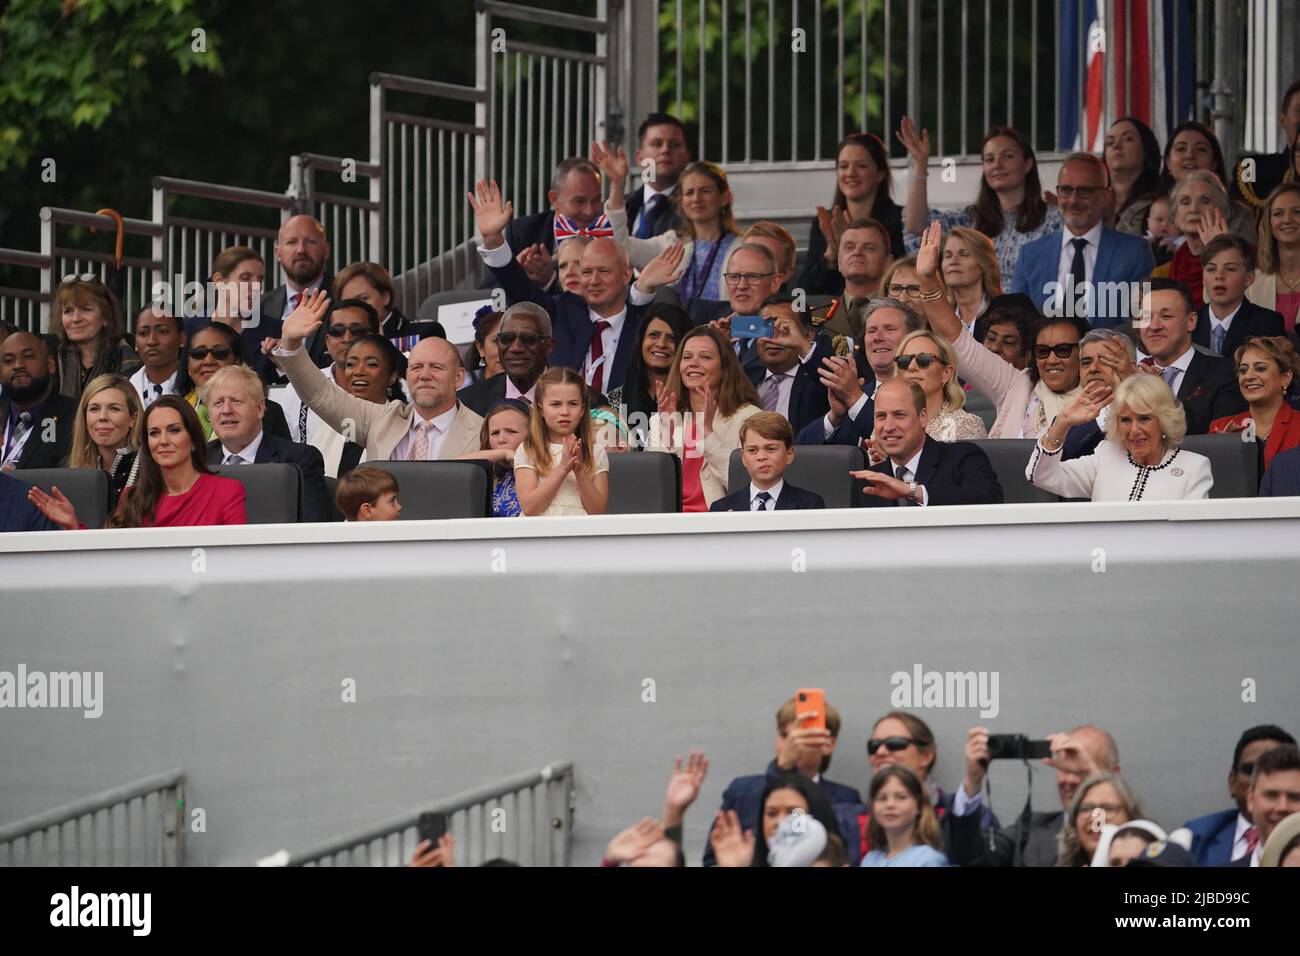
(174, 486)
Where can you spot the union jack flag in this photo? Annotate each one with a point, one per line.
(565, 228)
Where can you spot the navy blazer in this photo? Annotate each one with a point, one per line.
(1250, 320)
(1208, 391)
(791, 499)
(316, 503)
(1283, 476)
(808, 401)
(571, 324)
(817, 278)
(1081, 440)
(850, 431)
(524, 231)
(55, 419)
(1120, 258)
(745, 795)
(16, 512)
(664, 217)
(953, 473)
(1212, 837)
(270, 326)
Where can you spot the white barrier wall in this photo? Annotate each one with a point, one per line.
(483, 648)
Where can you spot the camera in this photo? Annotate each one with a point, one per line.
(1016, 747)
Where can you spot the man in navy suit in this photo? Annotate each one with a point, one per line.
(1108, 357)
(766, 451)
(303, 251)
(1220, 838)
(786, 376)
(1273, 795)
(235, 403)
(576, 204)
(525, 342)
(1087, 268)
(920, 471)
(662, 141)
(805, 750)
(1282, 479)
(16, 512)
(595, 332)
(1228, 318)
(37, 421)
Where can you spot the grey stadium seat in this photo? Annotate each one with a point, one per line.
(1009, 457)
(644, 482)
(441, 489)
(272, 492)
(86, 488)
(823, 469)
(1233, 462)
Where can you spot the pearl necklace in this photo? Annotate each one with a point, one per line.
(1144, 472)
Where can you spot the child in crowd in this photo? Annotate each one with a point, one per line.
(767, 450)
(1161, 231)
(558, 469)
(503, 430)
(903, 830)
(368, 494)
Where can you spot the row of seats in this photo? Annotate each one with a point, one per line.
(639, 483)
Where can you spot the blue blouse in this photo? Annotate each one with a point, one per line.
(700, 280)
(1007, 243)
(919, 854)
(505, 502)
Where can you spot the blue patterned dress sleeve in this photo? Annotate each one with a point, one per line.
(505, 502)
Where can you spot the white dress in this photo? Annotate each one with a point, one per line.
(1107, 475)
(568, 500)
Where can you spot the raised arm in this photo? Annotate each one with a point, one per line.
(917, 210)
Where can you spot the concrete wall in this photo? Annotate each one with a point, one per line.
(465, 674)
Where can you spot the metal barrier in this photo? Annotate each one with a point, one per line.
(26, 309)
(352, 223)
(140, 824)
(527, 819)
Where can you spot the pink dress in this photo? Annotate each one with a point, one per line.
(212, 500)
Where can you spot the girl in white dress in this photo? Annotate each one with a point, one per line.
(558, 469)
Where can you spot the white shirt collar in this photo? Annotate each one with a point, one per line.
(512, 391)
(910, 465)
(141, 382)
(1183, 360)
(1093, 236)
(615, 321)
(441, 423)
(1239, 833)
(774, 491)
(648, 191)
(1215, 321)
(248, 452)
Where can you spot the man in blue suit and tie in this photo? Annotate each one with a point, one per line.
(1230, 835)
(1085, 269)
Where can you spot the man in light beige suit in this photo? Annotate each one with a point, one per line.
(434, 427)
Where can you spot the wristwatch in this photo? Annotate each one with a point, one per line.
(911, 491)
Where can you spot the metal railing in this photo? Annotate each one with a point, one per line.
(139, 272)
(140, 824)
(352, 223)
(527, 819)
(27, 309)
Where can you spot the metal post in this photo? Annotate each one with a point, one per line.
(375, 216)
(913, 64)
(47, 269)
(1227, 78)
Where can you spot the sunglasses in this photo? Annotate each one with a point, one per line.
(527, 339)
(356, 331)
(1061, 351)
(83, 277)
(923, 360)
(221, 352)
(892, 744)
(1245, 769)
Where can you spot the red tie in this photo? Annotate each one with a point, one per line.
(598, 352)
(1252, 840)
(294, 300)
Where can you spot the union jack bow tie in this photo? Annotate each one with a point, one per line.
(566, 229)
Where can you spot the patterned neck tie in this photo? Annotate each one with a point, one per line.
(770, 392)
(303, 411)
(760, 501)
(565, 228)
(1169, 374)
(1217, 335)
(21, 428)
(420, 447)
(598, 351)
(648, 212)
(234, 460)
(1252, 840)
(901, 473)
(295, 300)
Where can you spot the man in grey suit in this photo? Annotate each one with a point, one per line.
(1076, 755)
(436, 426)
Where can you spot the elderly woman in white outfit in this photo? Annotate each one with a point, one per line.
(1140, 459)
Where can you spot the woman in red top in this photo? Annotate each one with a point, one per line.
(1266, 368)
(174, 487)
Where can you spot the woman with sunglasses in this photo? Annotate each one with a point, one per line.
(929, 361)
(215, 346)
(1027, 400)
(900, 739)
(86, 321)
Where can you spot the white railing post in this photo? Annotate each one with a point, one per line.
(376, 217)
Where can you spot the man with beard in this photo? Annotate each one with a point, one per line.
(37, 421)
(302, 251)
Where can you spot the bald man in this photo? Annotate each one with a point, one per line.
(595, 329)
(435, 426)
(303, 251)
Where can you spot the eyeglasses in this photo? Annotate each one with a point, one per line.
(219, 352)
(923, 360)
(1083, 192)
(528, 340)
(892, 744)
(1060, 351)
(748, 278)
(1110, 809)
(83, 277)
(356, 331)
(911, 291)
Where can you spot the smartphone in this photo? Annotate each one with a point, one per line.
(811, 698)
(751, 327)
(432, 827)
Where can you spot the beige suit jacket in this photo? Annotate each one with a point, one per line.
(716, 449)
(377, 428)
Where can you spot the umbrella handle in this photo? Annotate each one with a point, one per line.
(121, 234)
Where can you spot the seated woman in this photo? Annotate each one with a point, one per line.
(483, 358)
(87, 323)
(369, 282)
(237, 278)
(703, 403)
(900, 281)
(903, 830)
(1102, 798)
(213, 346)
(174, 486)
(504, 428)
(1194, 147)
(106, 433)
(1267, 367)
(1200, 206)
(662, 328)
(1140, 459)
(1132, 155)
(929, 361)
(568, 263)
(1026, 399)
(784, 794)
(1277, 280)
(970, 271)
(1007, 329)
(370, 371)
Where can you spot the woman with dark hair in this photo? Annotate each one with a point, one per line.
(663, 327)
(864, 186)
(1007, 328)
(483, 358)
(1193, 146)
(1009, 208)
(370, 283)
(1267, 367)
(784, 794)
(214, 346)
(86, 321)
(1132, 155)
(174, 486)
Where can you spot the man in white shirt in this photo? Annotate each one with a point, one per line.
(159, 339)
(1273, 796)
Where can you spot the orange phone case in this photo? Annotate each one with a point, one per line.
(811, 698)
